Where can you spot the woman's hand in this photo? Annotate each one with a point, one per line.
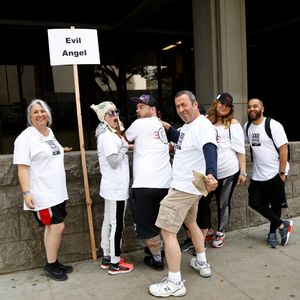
(241, 180)
(28, 199)
(68, 149)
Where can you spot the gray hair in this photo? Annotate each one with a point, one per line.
(44, 105)
(188, 93)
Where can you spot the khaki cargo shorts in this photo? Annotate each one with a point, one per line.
(177, 207)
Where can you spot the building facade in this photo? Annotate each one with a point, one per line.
(235, 46)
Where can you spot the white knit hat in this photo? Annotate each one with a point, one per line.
(102, 108)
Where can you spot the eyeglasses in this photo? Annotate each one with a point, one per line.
(113, 113)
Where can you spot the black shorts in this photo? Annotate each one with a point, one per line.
(52, 215)
(146, 202)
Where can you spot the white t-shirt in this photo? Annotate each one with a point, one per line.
(229, 143)
(114, 184)
(151, 159)
(45, 158)
(189, 154)
(265, 156)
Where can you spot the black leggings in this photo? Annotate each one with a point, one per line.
(266, 197)
(223, 195)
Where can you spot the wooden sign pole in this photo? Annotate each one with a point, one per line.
(84, 168)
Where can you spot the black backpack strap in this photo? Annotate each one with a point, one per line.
(269, 132)
(247, 128)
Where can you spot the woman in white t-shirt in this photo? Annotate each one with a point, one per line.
(40, 161)
(114, 186)
(231, 164)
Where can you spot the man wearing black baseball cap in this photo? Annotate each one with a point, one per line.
(146, 99)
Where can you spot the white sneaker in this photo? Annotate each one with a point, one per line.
(202, 267)
(167, 288)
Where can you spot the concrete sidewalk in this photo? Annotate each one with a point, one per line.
(244, 268)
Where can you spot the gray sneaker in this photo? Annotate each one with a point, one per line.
(202, 267)
(272, 240)
(285, 232)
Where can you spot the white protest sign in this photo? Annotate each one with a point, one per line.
(73, 47)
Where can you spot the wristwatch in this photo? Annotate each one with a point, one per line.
(282, 173)
(244, 174)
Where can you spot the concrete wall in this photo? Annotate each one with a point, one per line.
(21, 240)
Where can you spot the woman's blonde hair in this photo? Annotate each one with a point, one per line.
(212, 115)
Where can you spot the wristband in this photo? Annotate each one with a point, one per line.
(26, 193)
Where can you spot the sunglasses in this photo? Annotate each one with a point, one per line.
(225, 104)
(113, 113)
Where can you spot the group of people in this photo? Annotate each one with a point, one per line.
(164, 195)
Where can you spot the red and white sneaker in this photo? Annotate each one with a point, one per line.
(124, 263)
(218, 240)
(120, 268)
(210, 235)
(105, 263)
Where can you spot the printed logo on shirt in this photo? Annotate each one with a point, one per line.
(255, 139)
(218, 136)
(161, 135)
(54, 148)
(179, 142)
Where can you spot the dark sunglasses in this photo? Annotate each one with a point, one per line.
(225, 104)
(113, 113)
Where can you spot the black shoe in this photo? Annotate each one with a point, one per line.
(55, 273)
(156, 265)
(64, 268)
(186, 245)
(147, 251)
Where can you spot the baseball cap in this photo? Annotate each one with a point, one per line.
(226, 98)
(102, 108)
(146, 99)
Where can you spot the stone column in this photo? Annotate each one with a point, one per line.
(220, 52)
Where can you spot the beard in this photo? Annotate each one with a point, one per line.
(255, 116)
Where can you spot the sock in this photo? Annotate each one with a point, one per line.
(115, 260)
(201, 257)
(174, 277)
(157, 258)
